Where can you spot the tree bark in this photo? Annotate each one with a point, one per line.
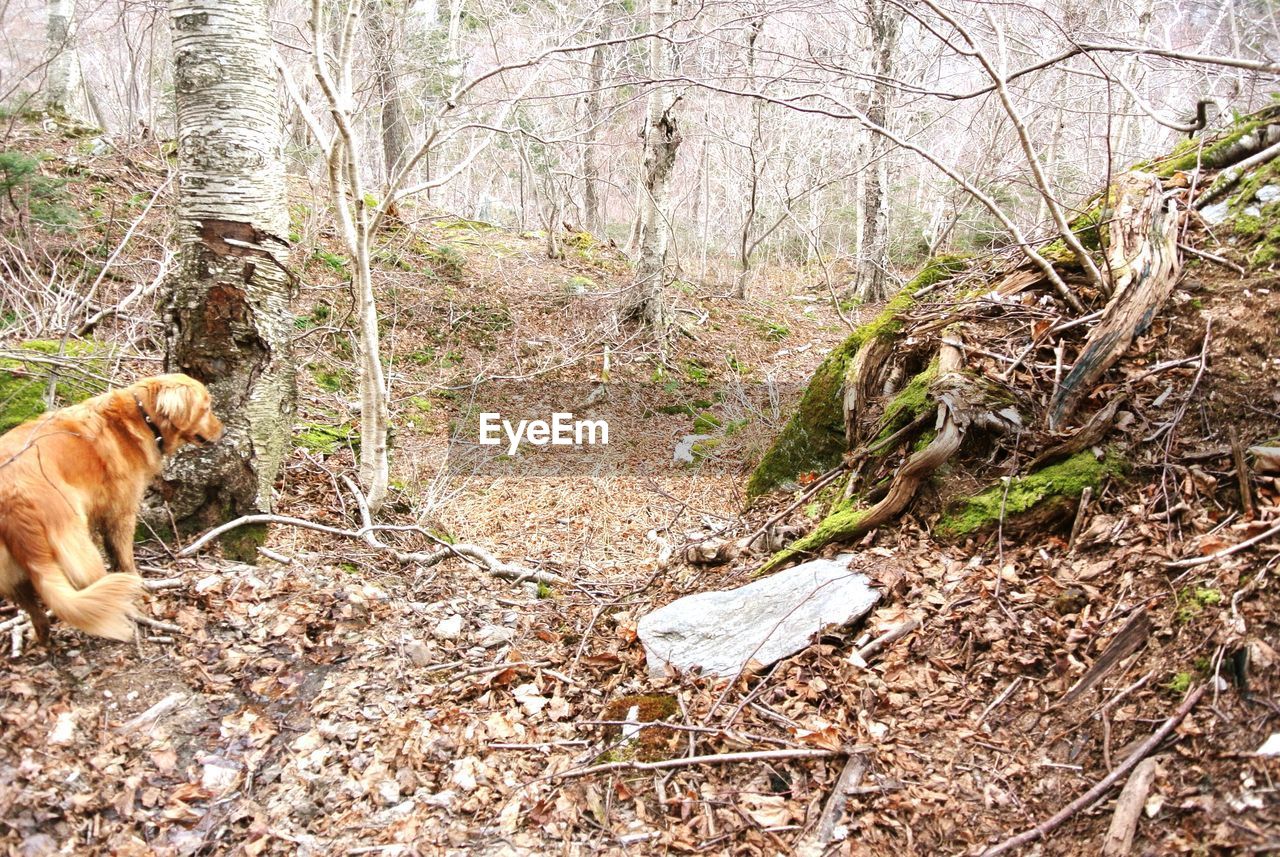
(62, 74)
(872, 283)
(661, 142)
(397, 139)
(593, 118)
(228, 319)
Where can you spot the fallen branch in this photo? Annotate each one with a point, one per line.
(1211, 257)
(1225, 552)
(475, 553)
(690, 761)
(1087, 799)
(891, 636)
(824, 833)
(1124, 823)
(1228, 178)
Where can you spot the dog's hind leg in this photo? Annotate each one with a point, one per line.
(24, 595)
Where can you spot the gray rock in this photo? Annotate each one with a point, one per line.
(1267, 193)
(449, 628)
(494, 635)
(1214, 214)
(766, 620)
(418, 652)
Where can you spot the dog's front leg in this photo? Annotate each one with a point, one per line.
(118, 540)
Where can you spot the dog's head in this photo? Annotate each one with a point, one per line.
(182, 405)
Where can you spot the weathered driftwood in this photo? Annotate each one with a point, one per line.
(1143, 261)
(861, 381)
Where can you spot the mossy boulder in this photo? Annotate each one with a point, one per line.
(814, 438)
(23, 382)
(1035, 500)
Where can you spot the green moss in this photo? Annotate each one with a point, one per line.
(1188, 154)
(652, 744)
(843, 522)
(242, 543)
(814, 437)
(1193, 601)
(331, 381)
(706, 423)
(327, 439)
(1065, 480)
(23, 383)
(1180, 683)
(910, 402)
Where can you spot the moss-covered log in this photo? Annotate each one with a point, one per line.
(1035, 500)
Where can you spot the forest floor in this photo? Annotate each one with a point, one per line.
(340, 702)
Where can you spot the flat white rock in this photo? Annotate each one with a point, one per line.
(766, 620)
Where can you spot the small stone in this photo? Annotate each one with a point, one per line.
(494, 635)
(1267, 193)
(449, 628)
(38, 845)
(389, 792)
(418, 652)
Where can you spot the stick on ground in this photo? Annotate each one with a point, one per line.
(1087, 799)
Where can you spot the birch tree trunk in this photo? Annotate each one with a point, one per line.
(661, 142)
(228, 320)
(62, 74)
(873, 260)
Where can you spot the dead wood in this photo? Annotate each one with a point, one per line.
(1144, 267)
(1084, 437)
(1228, 178)
(691, 761)
(474, 553)
(1242, 473)
(1127, 640)
(824, 833)
(1225, 552)
(1087, 799)
(861, 379)
(1124, 823)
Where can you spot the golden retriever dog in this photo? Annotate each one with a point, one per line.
(82, 470)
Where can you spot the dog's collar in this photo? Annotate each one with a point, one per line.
(155, 429)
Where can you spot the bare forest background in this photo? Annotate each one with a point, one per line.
(532, 115)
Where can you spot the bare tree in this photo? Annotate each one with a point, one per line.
(661, 143)
(884, 20)
(229, 323)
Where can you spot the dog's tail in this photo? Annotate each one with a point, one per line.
(69, 576)
(104, 608)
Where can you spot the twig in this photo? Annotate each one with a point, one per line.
(689, 761)
(1088, 798)
(894, 634)
(492, 564)
(163, 584)
(825, 831)
(1210, 257)
(1225, 552)
(1227, 178)
(999, 700)
(158, 625)
(149, 717)
(1085, 496)
(1242, 473)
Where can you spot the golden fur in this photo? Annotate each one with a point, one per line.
(81, 470)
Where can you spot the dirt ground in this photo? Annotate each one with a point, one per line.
(341, 702)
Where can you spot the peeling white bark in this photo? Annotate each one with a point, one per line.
(229, 312)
